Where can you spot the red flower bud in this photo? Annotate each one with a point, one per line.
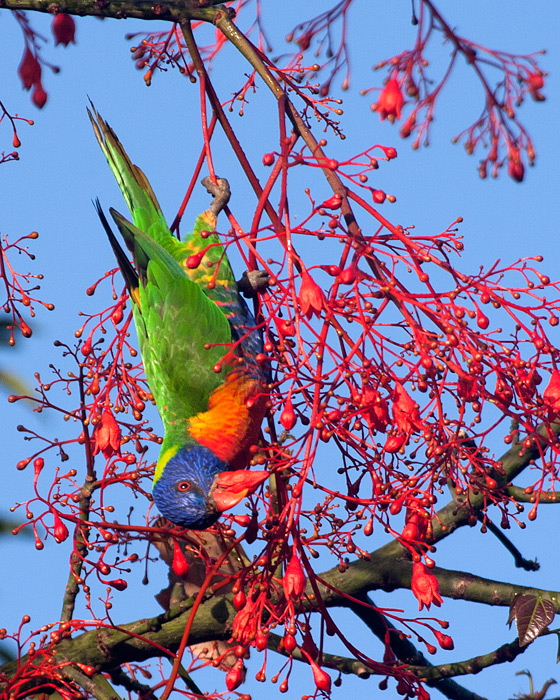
(535, 82)
(348, 276)
(289, 642)
(239, 600)
(180, 564)
(288, 417)
(268, 159)
(119, 583)
(60, 529)
(444, 640)
(193, 261)
(260, 640)
(516, 169)
(39, 96)
(333, 203)
(38, 464)
(321, 678)
(394, 443)
(236, 676)
(63, 28)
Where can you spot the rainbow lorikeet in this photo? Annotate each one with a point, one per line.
(198, 343)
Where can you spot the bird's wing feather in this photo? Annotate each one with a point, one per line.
(182, 333)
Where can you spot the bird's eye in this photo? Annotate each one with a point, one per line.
(183, 486)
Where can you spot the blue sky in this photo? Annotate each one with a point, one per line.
(61, 171)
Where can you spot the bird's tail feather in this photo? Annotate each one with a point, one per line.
(128, 271)
(137, 191)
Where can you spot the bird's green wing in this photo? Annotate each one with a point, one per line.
(183, 335)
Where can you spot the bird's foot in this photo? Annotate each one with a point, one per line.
(220, 192)
(253, 282)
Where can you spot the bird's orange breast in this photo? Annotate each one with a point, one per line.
(232, 422)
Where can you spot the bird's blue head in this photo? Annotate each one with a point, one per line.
(184, 491)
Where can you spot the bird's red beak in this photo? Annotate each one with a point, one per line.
(232, 487)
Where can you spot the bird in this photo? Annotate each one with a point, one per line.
(201, 350)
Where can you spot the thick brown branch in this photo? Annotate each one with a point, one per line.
(388, 574)
(107, 648)
(173, 11)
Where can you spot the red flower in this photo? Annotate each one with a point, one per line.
(468, 389)
(425, 586)
(405, 411)
(63, 28)
(551, 395)
(245, 623)
(516, 169)
(416, 525)
(29, 70)
(376, 411)
(311, 298)
(294, 579)
(535, 82)
(390, 102)
(502, 394)
(107, 435)
(236, 676)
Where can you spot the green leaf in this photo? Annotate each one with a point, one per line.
(532, 615)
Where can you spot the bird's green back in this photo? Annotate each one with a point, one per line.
(183, 334)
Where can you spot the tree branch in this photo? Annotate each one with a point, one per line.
(388, 574)
(507, 652)
(97, 686)
(406, 651)
(518, 558)
(169, 10)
